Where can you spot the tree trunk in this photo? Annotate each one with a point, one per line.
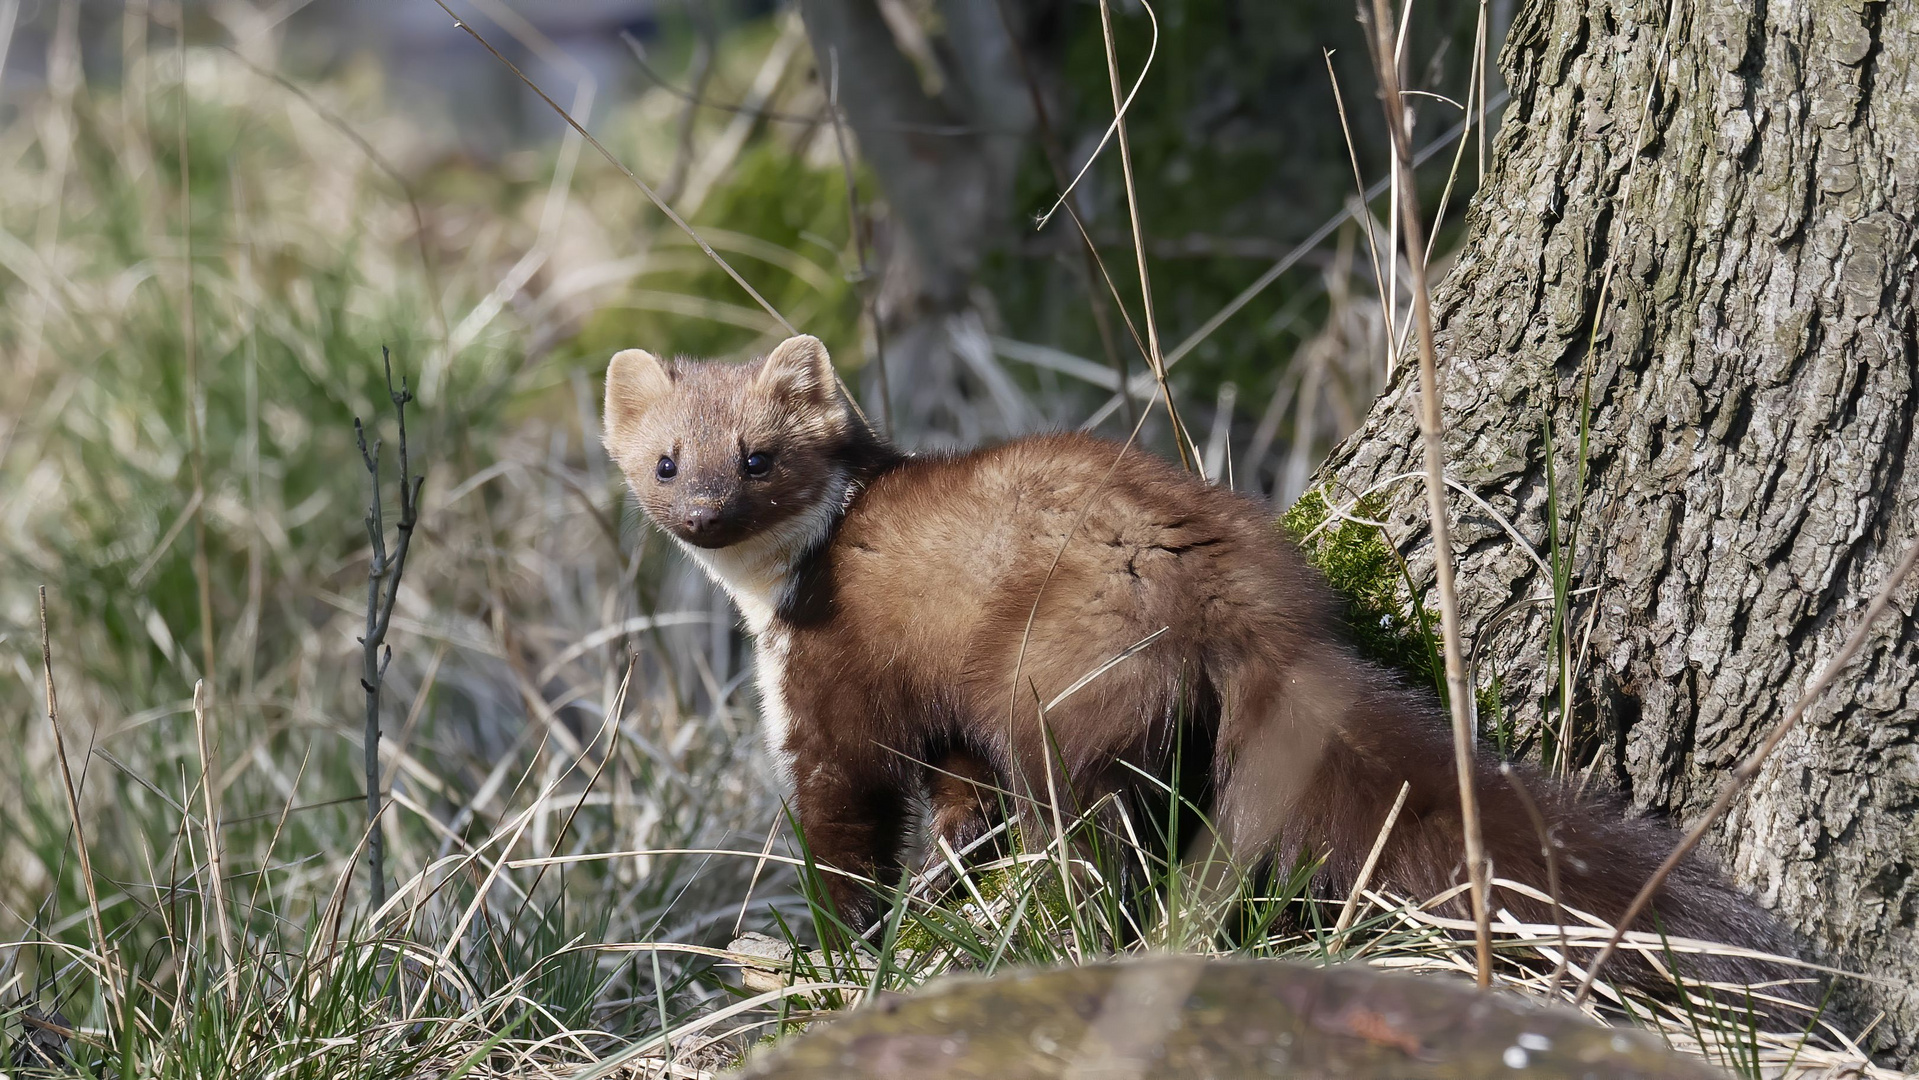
(943, 139)
(1707, 210)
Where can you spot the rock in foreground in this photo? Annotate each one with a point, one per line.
(1189, 1017)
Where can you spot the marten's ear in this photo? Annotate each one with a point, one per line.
(635, 382)
(798, 369)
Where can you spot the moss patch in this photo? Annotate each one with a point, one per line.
(997, 887)
(1371, 578)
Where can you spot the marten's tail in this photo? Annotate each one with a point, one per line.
(1312, 757)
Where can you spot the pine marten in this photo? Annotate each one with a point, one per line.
(913, 614)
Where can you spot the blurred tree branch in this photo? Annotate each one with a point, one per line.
(382, 589)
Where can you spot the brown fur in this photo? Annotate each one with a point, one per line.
(897, 656)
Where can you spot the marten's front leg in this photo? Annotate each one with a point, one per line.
(963, 791)
(854, 817)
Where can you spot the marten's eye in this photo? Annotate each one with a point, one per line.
(666, 469)
(758, 463)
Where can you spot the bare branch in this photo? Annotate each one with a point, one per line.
(382, 592)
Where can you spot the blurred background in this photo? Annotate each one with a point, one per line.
(214, 216)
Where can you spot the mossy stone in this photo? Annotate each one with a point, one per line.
(1208, 1019)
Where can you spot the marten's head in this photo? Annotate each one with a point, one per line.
(722, 454)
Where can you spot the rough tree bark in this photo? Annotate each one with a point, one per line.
(1748, 174)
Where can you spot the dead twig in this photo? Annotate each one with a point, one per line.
(1458, 692)
(1550, 848)
(1181, 441)
(382, 589)
(73, 798)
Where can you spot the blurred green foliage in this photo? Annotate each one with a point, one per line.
(778, 198)
(1238, 154)
(287, 317)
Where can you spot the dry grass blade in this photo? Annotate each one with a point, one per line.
(1749, 768)
(166, 539)
(1181, 441)
(1056, 161)
(613, 714)
(1459, 693)
(1351, 907)
(645, 188)
(216, 869)
(616, 1063)
(72, 792)
(1120, 107)
(1117, 659)
(1365, 217)
(1550, 849)
(1284, 263)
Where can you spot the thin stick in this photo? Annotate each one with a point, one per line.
(1153, 356)
(645, 189)
(1458, 693)
(1749, 768)
(1056, 160)
(209, 781)
(1551, 851)
(382, 590)
(73, 795)
(189, 335)
(1372, 860)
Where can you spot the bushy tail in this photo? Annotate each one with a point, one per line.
(1333, 741)
(1602, 856)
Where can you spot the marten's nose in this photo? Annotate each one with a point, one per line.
(702, 520)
